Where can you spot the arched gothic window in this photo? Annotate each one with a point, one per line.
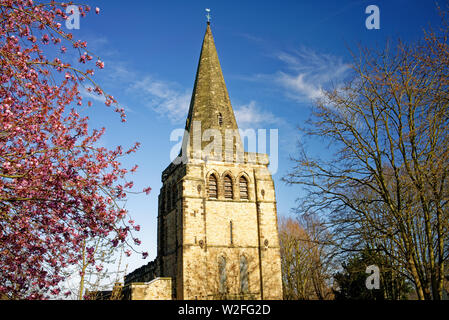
(243, 274)
(228, 191)
(243, 183)
(222, 281)
(220, 119)
(212, 188)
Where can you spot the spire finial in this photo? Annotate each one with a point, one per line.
(208, 15)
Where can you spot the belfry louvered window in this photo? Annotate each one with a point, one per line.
(243, 183)
(220, 119)
(212, 190)
(227, 183)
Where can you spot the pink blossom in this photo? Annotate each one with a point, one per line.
(100, 64)
(73, 187)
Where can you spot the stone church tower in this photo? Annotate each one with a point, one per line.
(217, 221)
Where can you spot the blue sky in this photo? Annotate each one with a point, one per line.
(275, 57)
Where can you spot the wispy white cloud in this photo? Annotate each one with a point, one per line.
(92, 96)
(119, 71)
(309, 72)
(251, 115)
(101, 45)
(323, 65)
(250, 37)
(166, 98)
(299, 87)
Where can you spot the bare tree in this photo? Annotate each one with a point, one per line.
(385, 183)
(304, 257)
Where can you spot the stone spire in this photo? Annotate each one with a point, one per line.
(210, 107)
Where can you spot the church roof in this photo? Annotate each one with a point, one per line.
(210, 104)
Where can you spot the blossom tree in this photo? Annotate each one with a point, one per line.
(58, 188)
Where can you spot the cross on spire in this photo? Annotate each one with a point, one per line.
(208, 15)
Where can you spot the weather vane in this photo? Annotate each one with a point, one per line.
(208, 15)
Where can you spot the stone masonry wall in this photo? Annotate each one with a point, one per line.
(157, 289)
(207, 233)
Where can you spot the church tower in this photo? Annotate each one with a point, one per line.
(217, 220)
